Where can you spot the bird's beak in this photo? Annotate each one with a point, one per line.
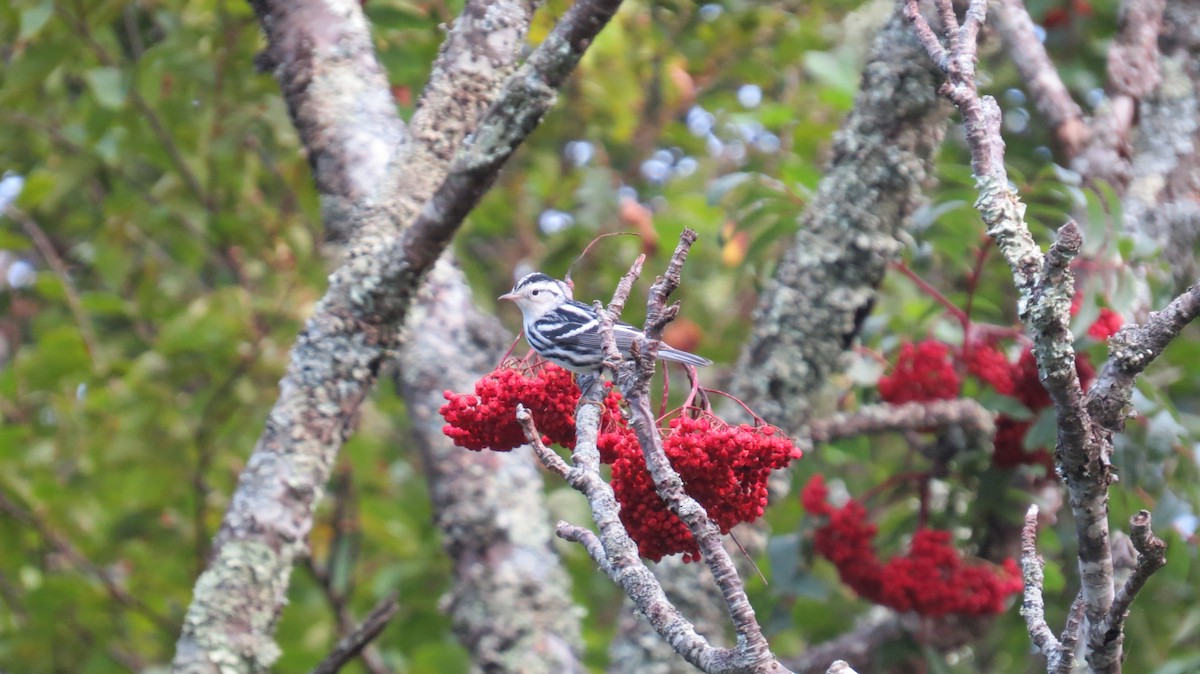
(508, 296)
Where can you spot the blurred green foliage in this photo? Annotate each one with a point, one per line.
(163, 176)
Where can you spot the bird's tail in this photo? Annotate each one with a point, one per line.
(676, 356)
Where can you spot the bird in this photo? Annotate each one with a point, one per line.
(567, 333)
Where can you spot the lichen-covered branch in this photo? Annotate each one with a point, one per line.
(1104, 650)
(510, 603)
(635, 386)
(321, 54)
(1033, 607)
(1131, 350)
(963, 412)
(825, 284)
(334, 364)
(613, 550)
(1162, 200)
(1041, 79)
(1045, 289)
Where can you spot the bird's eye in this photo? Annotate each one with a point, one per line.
(534, 293)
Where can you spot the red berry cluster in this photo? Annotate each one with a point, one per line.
(487, 419)
(929, 370)
(1106, 325)
(987, 364)
(923, 372)
(725, 468)
(930, 580)
(1010, 449)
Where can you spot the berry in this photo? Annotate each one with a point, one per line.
(1106, 325)
(931, 579)
(923, 372)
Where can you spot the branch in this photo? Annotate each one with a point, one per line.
(339, 99)
(826, 282)
(859, 646)
(753, 649)
(357, 640)
(62, 546)
(1045, 288)
(87, 331)
(1105, 649)
(333, 366)
(1131, 350)
(1040, 77)
(1132, 74)
(614, 551)
(1033, 608)
(962, 412)
(518, 615)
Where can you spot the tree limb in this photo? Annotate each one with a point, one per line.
(1033, 608)
(1131, 350)
(1045, 289)
(1104, 651)
(825, 284)
(354, 642)
(871, 419)
(1040, 77)
(334, 364)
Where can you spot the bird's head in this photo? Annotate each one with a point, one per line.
(538, 293)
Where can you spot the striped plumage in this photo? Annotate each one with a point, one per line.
(567, 333)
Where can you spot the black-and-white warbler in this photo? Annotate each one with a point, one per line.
(567, 333)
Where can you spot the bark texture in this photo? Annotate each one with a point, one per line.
(1163, 198)
(825, 285)
(511, 601)
(230, 624)
(826, 282)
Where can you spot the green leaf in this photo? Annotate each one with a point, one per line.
(1055, 581)
(1002, 404)
(33, 18)
(1043, 432)
(831, 71)
(718, 188)
(107, 85)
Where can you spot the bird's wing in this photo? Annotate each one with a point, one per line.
(575, 323)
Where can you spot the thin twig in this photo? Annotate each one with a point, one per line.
(1131, 350)
(609, 317)
(552, 461)
(86, 330)
(352, 644)
(1152, 556)
(1070, 636)
(1033, 607)
(64, 547)
(635, 385)
(588, 539)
